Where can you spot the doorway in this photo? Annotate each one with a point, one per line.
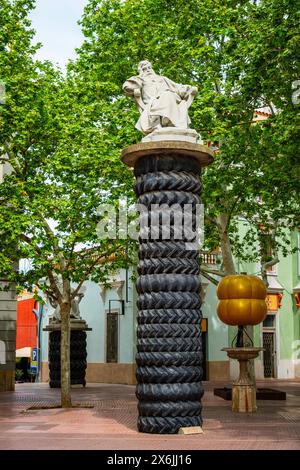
(269, 354)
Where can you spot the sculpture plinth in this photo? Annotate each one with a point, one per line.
(243, 390)
(169, 349)
(78, 353)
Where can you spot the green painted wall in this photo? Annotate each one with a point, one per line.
(217, 331)
(296, 282)
(285, 270)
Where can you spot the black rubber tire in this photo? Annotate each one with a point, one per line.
(169, 198)
(78, 364)
(75, 364)
(185, 234)
(166, 249)
(75, 375)
(172, 180)
(168, 375)
(79, 381)
(168, 266)
(78, 356)
(169, 392)
(54, 375)
(169, 408)
(168, 283)
(166, 330)
(164, 315)
(166, 162)
(167, 425)
(177, 300)
(54, 365)
(78, 377)
(77, 345)
(169, 344)
(189, 358)
(54, 383)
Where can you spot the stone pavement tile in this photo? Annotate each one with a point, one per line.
(119, 442)
(111, 423)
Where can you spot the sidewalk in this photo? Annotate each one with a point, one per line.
(111, 424)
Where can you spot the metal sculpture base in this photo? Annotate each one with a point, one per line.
(243, 390)
(78, 353)
(169, 357)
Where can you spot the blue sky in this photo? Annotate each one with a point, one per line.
(55, 22)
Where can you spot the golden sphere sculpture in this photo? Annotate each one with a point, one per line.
(242, 300)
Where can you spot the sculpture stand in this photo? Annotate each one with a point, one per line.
(243, 390)
(173, 134)
(78, 352)
(169, 350)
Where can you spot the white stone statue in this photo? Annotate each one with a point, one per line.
(75, 311)
(161, 102)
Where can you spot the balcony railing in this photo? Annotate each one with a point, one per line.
(208, 257)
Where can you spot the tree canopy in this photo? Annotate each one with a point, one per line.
(242, 57)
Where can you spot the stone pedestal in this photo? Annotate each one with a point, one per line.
(169, 349)
(173, 134)
(243, 390)
(78, 352)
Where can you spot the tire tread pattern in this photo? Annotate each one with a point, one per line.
(78, 356)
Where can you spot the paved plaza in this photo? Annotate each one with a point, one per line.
(109, 421)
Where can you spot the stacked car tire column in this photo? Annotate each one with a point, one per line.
(169, 357)
(78, 355)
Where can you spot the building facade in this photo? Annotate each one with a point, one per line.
(8, 307)
(111, 313)
(8, 314)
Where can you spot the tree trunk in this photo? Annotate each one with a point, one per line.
(227, 257)
(66, 401)
(229, 268)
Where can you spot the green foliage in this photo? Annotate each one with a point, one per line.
(63, 134)
(19, 374)
(242, 56)
(64, 165)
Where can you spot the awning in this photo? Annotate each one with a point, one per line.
(23, 352)
(297, 288)
(274, 286)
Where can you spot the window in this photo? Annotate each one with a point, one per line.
(269, 321)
